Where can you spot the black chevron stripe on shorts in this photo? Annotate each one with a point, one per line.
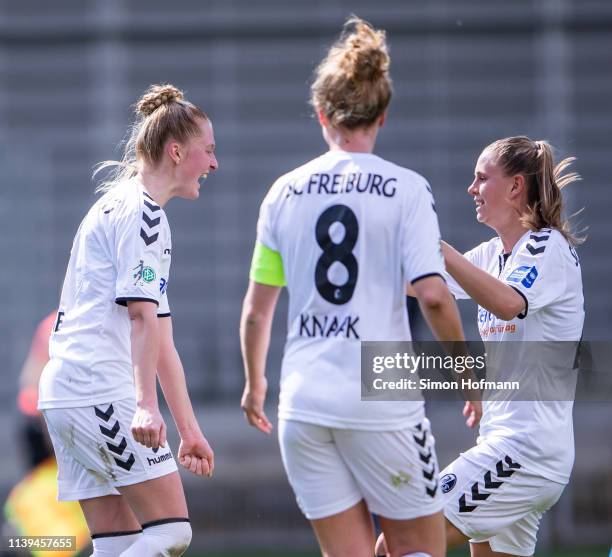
(428, 468)
(116, 444)
(127, 464)
(503, 469)
(104, 415)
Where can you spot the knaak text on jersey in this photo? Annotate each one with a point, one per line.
(328, 326)
(332, 184)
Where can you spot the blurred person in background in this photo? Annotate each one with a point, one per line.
(345, 233)
(528, 286)
(33, 435)
(113, 338)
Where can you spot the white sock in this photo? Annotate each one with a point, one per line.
(419, 554)
(113, 543)
(162, 538)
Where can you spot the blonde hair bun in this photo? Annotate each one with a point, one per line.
(364, 55)
(352, 85)
(179, 120)
(156, 96)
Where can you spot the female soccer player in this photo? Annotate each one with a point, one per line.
(346, 232)
(528, 287)
(113, 337)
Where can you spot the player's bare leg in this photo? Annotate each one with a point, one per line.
(484, 550)
(112, 524)
(454, 538)
(108, 514)
(158, 505)
(423, 534)
(346, 534)
(157, 499)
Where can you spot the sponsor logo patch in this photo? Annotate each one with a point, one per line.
(524, 274)
(447, 482)
(519, 273)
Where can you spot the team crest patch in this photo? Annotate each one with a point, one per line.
(524, 274)
(448, 482)
(143, 273)
(148, 274)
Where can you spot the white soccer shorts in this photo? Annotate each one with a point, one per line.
(96, 452)
(490, 495)
(331, 470)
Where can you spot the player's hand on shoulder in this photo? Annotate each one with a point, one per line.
(148, 426)
(252, 404)
(196, 455)
(472, 410)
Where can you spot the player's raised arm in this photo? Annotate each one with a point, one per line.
(486, 290)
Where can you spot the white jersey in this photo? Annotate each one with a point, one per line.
(120, 253)
(544, 269)
(352, 229)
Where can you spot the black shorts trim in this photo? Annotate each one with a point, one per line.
(427, 275)
(124, 300)
(164, 314)
(163, 521)
(523, 314)
(115, 534)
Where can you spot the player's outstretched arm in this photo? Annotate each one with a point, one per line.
(194, 452)
(255, 326)
(492, 294)
(439, 308)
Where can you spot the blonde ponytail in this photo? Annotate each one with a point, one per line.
(534, 160)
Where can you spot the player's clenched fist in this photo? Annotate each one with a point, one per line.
(148, 427)
(196, 455)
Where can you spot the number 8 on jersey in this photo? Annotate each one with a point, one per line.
(333, 252)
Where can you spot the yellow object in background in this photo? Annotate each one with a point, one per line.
(32, 509)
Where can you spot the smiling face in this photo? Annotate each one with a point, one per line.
(494, 193)
(198, 160)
